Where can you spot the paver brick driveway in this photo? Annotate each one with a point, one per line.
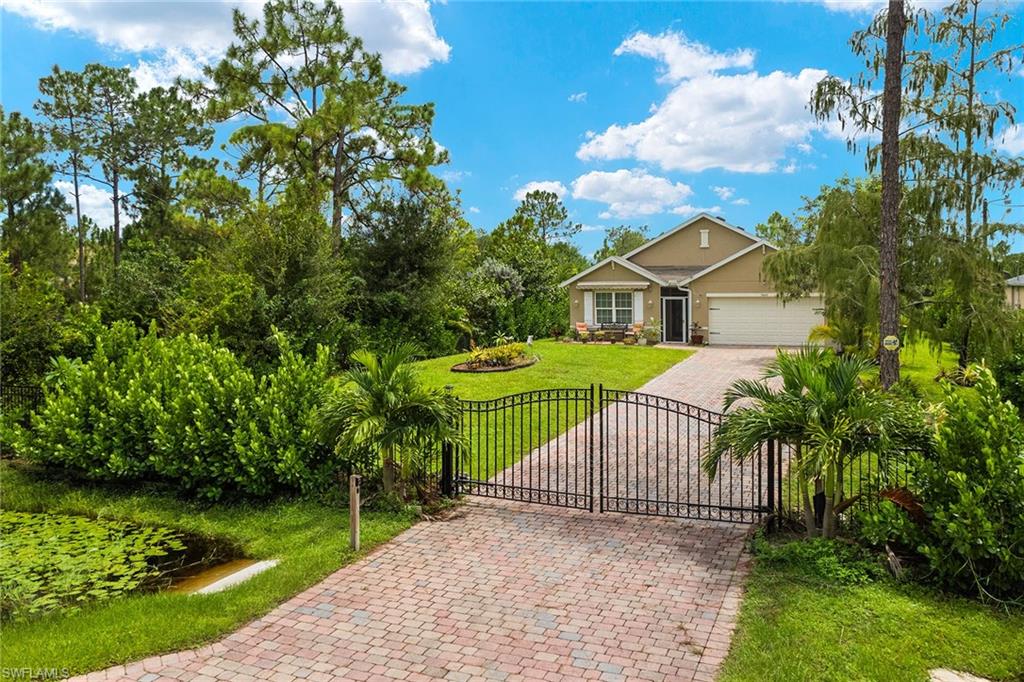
(510, 591)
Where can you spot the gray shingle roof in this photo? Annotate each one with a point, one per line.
(1017, 281)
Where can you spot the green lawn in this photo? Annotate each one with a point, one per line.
(796, 627)
(310, 540)
(562, 365)
(499, 438)
(921, 363)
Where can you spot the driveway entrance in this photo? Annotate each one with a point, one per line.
(601, 449)
(509, 591)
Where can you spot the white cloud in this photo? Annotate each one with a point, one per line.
(178, 38)
(724, 193)
(687, 210)
(854, 6)
(727, 194)
(629, 193)
(742, 122)
(578, 97)
(173, 63)
(541, 185)
(96, 202)
(1012, 140)
(593, 228)
(474, 209)
(681, 57)
(454, 176)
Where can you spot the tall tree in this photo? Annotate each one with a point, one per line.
(33, 219)
(945, 146)
(165, 127)
(954, 154)
(414, 256)
(346, 127)
(548, 215)
(892, 189)
(779, 230)
(618, 241)
(64, 106)
(110, 133)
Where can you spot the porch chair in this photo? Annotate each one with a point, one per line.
(582, 332)
(636, 330)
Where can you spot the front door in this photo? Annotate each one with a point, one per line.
(674, 318)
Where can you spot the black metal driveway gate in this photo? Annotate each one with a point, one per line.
(606, 450)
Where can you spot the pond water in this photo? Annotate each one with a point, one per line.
(189, 584)
(54, 562)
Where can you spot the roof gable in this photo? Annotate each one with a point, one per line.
(682, 226)
(618, 260)
(760, 243)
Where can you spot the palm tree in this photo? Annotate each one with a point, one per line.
(823, 411)
(383, 407)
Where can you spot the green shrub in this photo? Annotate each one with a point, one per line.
(832, 561)
(1010, 375)
(52, 561)
(38, 324)
(504, 355)
(971, 488)
(185, 412)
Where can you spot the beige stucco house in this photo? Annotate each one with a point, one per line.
(702, 276)
(1015, 292)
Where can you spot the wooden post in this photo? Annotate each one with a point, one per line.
(353, 511)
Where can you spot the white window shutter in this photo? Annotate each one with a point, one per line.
(638, 306)
(588, 307)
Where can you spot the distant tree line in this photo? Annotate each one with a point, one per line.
(319, 216)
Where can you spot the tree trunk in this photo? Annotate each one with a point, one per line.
(337, 192)
(963, 355)
(805, 496)
(115, 178)
(81, 234)
(828, 520)
(389, 472)
(892, 96)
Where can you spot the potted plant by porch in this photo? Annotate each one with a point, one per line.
(696, 335)
(651, 333)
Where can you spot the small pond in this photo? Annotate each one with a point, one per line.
(52, 562)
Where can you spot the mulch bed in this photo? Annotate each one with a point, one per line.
(466, 367)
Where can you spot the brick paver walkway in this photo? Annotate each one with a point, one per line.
(510, 591)
(702, 378)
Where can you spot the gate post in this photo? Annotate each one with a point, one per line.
(590, 448)
(448, 461)
(778, 468)
(600, 446)
(771, 485)
(447, 470)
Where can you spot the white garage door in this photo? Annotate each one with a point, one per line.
(761, 320)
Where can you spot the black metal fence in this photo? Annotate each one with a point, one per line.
(608, 450)
(20, 399)
(604, 450)
(652, 460)
(532, 447)
(865, 480)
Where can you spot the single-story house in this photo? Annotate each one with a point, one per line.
(703, 276)
(1015, 292)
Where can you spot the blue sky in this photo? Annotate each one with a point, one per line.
(637, 113)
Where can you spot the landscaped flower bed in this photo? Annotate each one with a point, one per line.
(500, 358)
